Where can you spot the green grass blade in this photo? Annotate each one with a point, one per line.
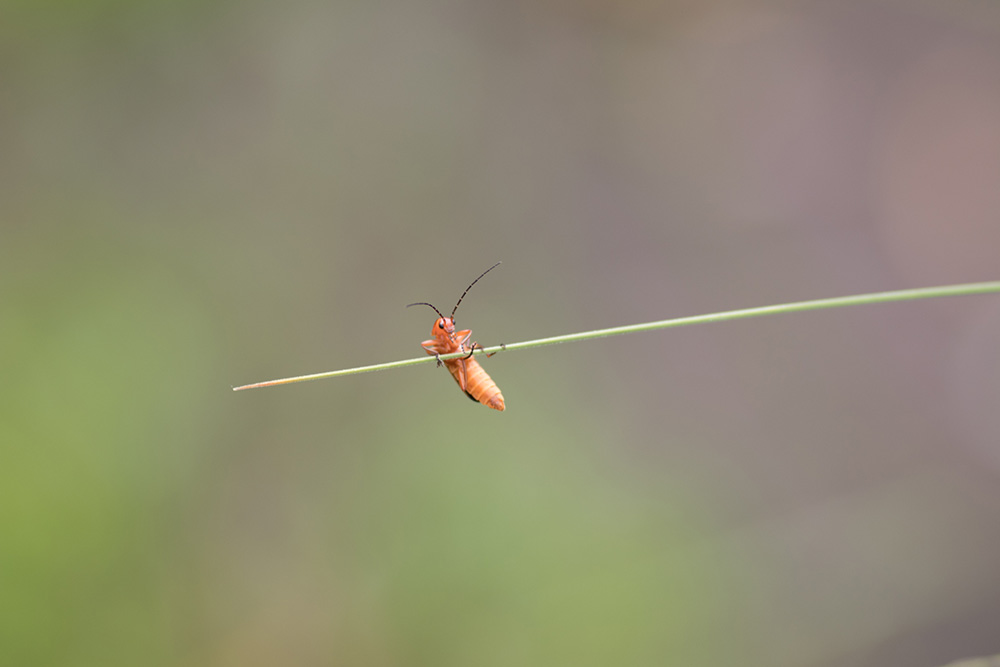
(966, 289)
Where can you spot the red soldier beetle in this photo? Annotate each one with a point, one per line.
(469, 375)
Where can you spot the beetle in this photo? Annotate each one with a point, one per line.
(469, 375)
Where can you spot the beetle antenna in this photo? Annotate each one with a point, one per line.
(423, 303)
(468, 288)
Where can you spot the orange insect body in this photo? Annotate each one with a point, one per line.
(469, 375)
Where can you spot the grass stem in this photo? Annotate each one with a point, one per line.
(780, 309)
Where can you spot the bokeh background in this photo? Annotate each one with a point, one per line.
(196, 195)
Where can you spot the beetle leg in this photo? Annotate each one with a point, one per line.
(477, 346)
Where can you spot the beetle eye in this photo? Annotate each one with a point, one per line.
(440, 324)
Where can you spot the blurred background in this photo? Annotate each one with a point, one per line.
(196, 195)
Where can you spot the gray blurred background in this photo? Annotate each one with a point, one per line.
(195, 195)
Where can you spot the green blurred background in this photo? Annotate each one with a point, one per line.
(195, 195)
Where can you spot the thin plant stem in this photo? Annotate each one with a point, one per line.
(780, 309)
